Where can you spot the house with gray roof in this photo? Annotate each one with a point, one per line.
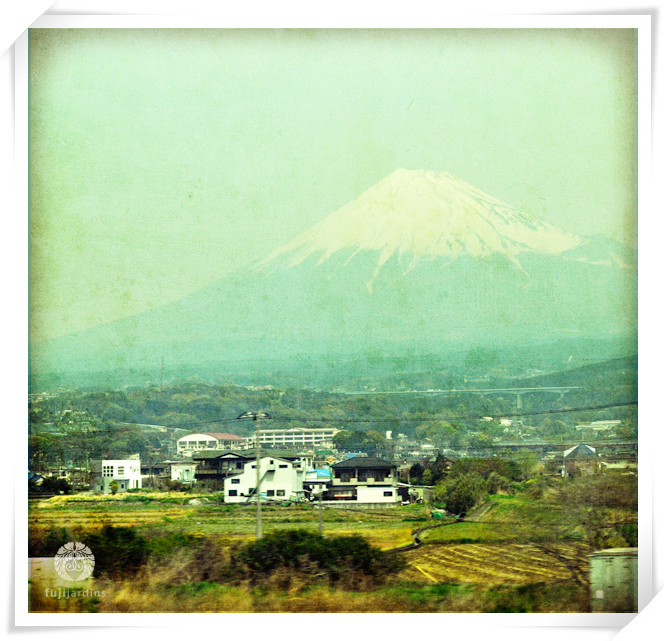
(364, 479)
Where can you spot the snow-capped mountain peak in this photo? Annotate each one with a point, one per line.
(427, 214)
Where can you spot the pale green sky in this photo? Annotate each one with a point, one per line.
(163, 159)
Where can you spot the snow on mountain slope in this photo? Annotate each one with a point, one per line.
(426, 214)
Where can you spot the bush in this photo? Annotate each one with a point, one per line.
(465, 492)
(174, 486)
(485, 466)
(607, 489)
(47, 543)
(302, 552)
(118, 551)
(496, 483)
(56, 486)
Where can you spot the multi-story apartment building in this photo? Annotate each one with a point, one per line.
(295, 437)
(191, 443)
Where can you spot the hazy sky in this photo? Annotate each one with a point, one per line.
(163, 159)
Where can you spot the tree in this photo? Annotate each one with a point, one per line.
(480, 441)
(528, 463)
(464, 492)
(495, 483)
(114, 487)
(44, 450)
(55, 485)
(415, 474)
(345, 440)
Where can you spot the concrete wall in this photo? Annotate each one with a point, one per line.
(372, 494)
(354, 505)
(614, 580)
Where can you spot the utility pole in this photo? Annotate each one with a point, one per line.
(320, 511)
(259, 523)
(256, 416)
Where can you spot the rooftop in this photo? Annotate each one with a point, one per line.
(363, 462)
(247, 454)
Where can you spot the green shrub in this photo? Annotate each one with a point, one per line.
(309, 553)
(160, 547)
(56, 486)
(496, 483)
(47, 543)
(465, 492)
(118, 551)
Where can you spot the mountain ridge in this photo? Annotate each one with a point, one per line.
(373, 279)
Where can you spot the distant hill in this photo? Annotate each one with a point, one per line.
(616, 372)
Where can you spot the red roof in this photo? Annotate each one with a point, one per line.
(223, 436)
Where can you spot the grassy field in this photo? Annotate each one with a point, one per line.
(401, 597)
(481, 566)
(171, 511)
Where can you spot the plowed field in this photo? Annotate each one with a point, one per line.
(508, 563)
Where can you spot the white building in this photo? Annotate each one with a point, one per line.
(364, 480)
(126, 473)
(191, 443)
(280, 480)
(295, 437)
(183, 472)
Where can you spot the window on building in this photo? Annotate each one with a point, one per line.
(387, 493)
(235, 481)
(121, 470)
(232, 492)
(344, 477)
(270, 493)
(107, 470)
(281, 492)
(379, 475)
(362, 475)
(283, 466)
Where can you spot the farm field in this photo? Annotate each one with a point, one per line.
(172, 512)
(472, 566)
(486, 564)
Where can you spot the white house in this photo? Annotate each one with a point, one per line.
(191, 443)
(280, 479)
(126, 473)
(183, 472)
(364, 480)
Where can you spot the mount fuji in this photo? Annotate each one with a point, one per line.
(420, 263)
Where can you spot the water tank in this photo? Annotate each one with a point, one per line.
(614, 580)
